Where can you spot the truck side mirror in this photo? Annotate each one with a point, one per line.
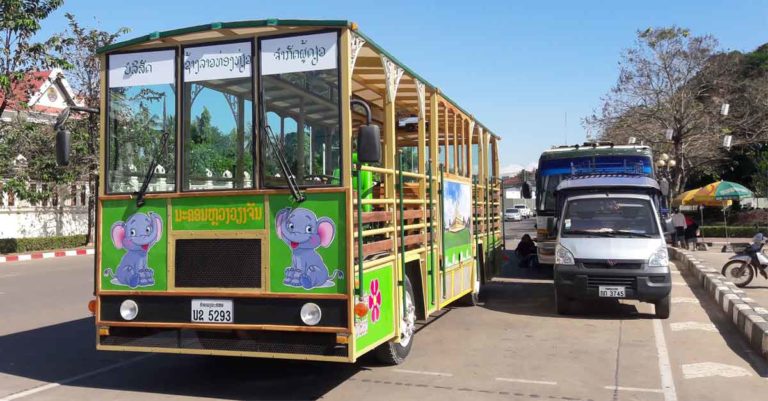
(369, 144)
(525, 190)
(63, 143)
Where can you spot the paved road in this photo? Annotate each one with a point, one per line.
(511, 348)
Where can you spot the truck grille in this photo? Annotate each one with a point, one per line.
(218, 263)
(594, 281)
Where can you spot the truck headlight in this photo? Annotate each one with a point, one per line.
(311, 314)
(129, 309)
(660, 257)
(563, 256)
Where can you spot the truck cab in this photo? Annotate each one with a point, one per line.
(610, 241)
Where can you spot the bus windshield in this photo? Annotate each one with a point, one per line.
(553, 168)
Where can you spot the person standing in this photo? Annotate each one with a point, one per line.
(678, 220)
(691, 234)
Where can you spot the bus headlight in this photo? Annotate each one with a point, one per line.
(311, 314)
(563, 256)
(660, 258)
(129, 309)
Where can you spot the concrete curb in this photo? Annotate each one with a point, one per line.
(46, 255)
(750, 318)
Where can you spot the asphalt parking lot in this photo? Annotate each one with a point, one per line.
(513, 347)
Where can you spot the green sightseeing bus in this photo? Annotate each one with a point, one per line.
(263, 194)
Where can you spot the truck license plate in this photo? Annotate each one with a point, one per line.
(612, 292)
(212, 311)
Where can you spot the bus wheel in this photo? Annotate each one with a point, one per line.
(391, 352)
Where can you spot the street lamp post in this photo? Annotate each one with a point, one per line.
(664, 163)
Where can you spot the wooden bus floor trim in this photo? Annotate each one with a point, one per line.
(232, 294)
(228, 326)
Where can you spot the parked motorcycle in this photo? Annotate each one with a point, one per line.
(741, 268)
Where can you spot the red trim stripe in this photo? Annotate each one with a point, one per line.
(59, 253)
(37, 256)
(12, 258)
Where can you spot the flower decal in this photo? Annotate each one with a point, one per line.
(374, 301)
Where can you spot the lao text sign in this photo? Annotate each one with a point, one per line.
(299, 53)
(226, 61)
(142, 68)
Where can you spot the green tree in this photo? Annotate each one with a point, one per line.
(78, 48)
(660, 88)
(19, 54)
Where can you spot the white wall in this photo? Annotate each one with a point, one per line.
(20, 219)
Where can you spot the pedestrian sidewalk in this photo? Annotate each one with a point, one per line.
(745, 307)
(46, 254)
(713, 258)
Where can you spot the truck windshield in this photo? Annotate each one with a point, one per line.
(614, 217)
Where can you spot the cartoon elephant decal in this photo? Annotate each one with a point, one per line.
(136, 235)
(301, 230)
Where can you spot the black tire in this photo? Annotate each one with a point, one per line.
(728, 270)
(663, 307)
(562, 303)
(392, 353)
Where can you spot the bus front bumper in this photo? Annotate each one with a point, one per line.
(260, 327)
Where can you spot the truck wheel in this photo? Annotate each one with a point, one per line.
(562, 303)
(663, 307)
(392, 353)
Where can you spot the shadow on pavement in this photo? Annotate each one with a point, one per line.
(530, 291)
(63, 351)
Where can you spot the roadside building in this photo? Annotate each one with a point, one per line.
(39, 101)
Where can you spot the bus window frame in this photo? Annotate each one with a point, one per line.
(181, 116)
(262, 112)
(108, 136)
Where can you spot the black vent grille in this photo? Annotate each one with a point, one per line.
(218, 263)
(594, 281)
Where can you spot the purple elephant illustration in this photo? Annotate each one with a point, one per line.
(301, 230)
(136, 235)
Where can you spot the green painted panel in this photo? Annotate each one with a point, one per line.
(134, 246)
(308, 244)
(219, 213)
(379, 294)
(457, 229)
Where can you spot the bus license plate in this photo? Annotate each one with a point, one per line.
(612, 292)
(212, 311)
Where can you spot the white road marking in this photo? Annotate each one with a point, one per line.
(667, 381)
(46, 387)
(642, 390)
(679, 283)
(422, 372)
(683, 300)
(9, 275)
(675, 272)
(709, 369)
(513, 380)
(680, 326)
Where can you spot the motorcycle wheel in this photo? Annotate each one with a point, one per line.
(738, 272)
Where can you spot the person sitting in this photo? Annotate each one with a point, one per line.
(526, 252)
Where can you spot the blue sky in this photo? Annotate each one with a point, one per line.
(519, 67)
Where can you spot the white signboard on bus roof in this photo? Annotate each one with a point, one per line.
(299, 53)
(224, 61)
(142, 68)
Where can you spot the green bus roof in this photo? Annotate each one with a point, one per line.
(276, 22)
